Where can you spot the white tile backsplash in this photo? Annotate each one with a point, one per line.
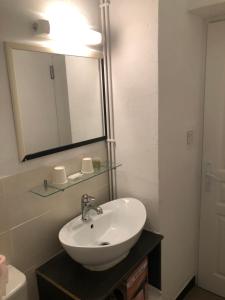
(29, 224)
(5, 245)
(35, 241)
(4, 216)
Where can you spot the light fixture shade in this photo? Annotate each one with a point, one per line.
(41, 27)
(67, 32)
(92, 37)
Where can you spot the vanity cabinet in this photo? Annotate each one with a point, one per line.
(62, 278)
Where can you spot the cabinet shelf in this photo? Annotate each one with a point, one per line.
(48, 189)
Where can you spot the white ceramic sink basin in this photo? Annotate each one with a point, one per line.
(106, 239)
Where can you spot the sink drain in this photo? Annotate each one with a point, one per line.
(104, 244)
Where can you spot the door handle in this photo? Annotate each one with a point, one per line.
(215, 177)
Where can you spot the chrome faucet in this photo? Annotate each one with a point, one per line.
(87, 204)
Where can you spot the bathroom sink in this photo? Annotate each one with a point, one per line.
(104, 240)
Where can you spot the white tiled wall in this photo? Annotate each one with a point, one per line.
(29, 224)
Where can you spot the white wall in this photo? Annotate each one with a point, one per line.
(181, 69)
(16, 25)
(134, 33)
(181, 45)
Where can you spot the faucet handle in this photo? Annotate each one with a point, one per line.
(85, 199)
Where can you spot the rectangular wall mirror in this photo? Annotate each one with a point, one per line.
(58, 100)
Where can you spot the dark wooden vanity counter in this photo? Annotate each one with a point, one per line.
(63, 278)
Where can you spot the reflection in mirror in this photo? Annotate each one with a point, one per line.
(57, 101)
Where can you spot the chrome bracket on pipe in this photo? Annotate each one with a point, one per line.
(107, 3)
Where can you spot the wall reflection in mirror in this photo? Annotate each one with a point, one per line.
(57, 100)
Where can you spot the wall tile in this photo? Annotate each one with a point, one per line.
(69, 205)
(94, 184)
(22, 204)
(32, 287)
(102, 195)
(35, 241)
(5, 245)
(4, 218)
(67, 209)
(94, 150)
(29, 224)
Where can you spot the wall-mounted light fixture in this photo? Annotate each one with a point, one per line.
(55, 32)
(41, 27)
(63, 28)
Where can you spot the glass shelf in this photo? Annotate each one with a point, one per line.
(48, 189)
(44, 191)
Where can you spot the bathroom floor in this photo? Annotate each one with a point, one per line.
(200, 294)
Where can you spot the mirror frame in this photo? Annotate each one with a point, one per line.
(23, 156)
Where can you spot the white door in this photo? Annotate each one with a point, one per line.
(212, 230)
